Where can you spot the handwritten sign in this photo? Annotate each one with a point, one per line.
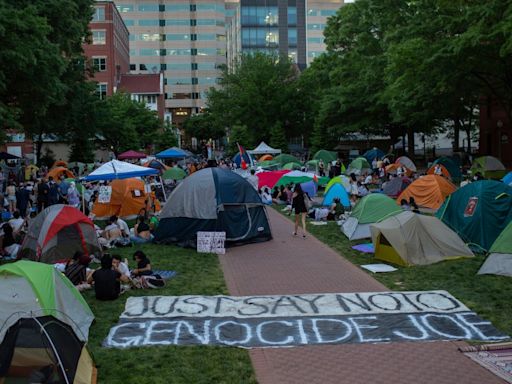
(211, 242)
(105, 194)
(292, 320)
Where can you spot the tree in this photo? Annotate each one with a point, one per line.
(278, 137)
(165, 139)
(239, 135)
(204, 126)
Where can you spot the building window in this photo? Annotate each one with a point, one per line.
(193, 66)
(99, 37)
(206, 22)
(292, 36)
(149, 8)
(194, 80)
(259, 15)
(161, 23)
(99, 64)
(193, 8)
(129, 22)
(327, 12)
(292, 16)
(163, 67)
(142, 67)
(99, 14)
(149, 37)
(123, 8)
(316, 27)
(101, 90)
(315, 40)
(149, 22)
(193, 22)
(150, 52)
(178, 36)
(133, 67)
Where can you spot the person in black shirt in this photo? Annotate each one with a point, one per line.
(141, 232)
(106, 280)
(143, 264)
(299, 206)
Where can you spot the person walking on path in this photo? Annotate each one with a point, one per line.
(299, 205)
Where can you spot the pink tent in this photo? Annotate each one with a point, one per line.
(270, 178)
(131, 155)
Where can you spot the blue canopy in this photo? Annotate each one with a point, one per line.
(171, 153)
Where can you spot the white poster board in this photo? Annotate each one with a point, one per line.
(211, 242)
(105, 193)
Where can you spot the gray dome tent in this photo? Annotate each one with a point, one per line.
(213, 199)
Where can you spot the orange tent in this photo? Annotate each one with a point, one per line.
(60, 163)
(127, 199)
(428, 191)
(57, 172)
(444, 171)
(391, 168)
(265, 158)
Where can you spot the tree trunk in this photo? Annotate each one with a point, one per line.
(456, 134)
(410, 142)
(39, 147)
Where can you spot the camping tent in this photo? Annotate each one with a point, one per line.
(478, 212)
(336, 191)
(269, 178)
(263, 149)
(451, 166)
(285, 158)
(341, 179)
(428, 191)
(116, 169)
(310, 188)
(172, 153)
(326, 156)
(444, 171)
(57, 172)
(507, 179)
(406, 162)
(43, 349)
(39, 288)
(370, 209)
(174, 173)
(499, 261)
(292, 165)
(131, 154)
(127, 199)
(155, 164)
(393, 169)
(57, 233)
(268, 164)
(213, 199)
(300, 177)
(359, 166)
(412, 239)
(265, 158)
(374, 153)
(489, 167)
(395, 186)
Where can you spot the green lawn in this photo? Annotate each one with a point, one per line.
(487, 295)
(197, 274)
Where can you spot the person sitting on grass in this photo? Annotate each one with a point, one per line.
(143, 264)
(122, 267)
(9, 248)
(76, 268)
(141, 232)
(106, 280)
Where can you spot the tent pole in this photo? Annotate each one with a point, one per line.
(83, 197)
(163, 189)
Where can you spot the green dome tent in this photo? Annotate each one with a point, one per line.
(489, 166)
(285, 158)
(292, 165)
(341, 179)
(299, 177)
(359, 166)
(499, 261)
(478, 212)
(174, 173)
(269, 164)
(325, 156)
(372, 208)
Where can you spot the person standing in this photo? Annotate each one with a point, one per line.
(43, 190)
(73, 197)
(23, 200)
(299, 206)
(10, 191)
(253, 179)
(321, 168)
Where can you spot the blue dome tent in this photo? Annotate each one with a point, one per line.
(336, 191)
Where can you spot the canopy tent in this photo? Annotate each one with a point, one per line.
(444, 171)
(489, 167)
(29, 286)
(269, 178)
(412, 239)
(395, 186)
(499, 261)
(213, 199)
(359, 166)
(57, 233)
(336, 191)
(263, 149)
(341, 179)
(451, 166)
(406, 162)
(174, 173)
(372, 208)
(478, 212)
(292, 165)
(131, 155)
(265, 158)
(507, 179)
(298, 177)
(172, 153)
(326, 156)
(285, 158)
(155, 164)
(374, 153)
(7, 156)
(428, 191)
(116, 169)
(57, 172)
(127, 199)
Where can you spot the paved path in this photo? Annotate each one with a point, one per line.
(288, 265)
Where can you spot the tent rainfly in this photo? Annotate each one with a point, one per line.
(116, 169)
(499, 261)
(263, 149)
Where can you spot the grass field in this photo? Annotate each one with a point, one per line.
(487, 295)
(197, 274)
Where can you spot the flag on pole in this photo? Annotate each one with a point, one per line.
(243, 154)
(315, 179)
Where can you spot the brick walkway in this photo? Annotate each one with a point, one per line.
(288, 265)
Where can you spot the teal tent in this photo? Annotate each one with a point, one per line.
(451, 166)
(478, 212)
(213, 200)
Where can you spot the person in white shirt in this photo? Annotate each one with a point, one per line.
(16, 222)
(122, 267)
(265, 196)
(125, 229)
(253, 179)
(368, 179)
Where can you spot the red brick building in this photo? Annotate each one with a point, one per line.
(495, 132)
(108, 50)
(147, 88)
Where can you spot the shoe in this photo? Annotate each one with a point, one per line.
(294, 233)
(304, 237)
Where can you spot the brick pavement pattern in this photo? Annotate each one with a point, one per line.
(292, 265)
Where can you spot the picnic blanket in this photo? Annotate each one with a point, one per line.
(365, 248)
(166, 275)
(497, 358)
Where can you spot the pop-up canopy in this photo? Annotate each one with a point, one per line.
(116, 169)
(131, 154)
(263, 149)
(172, 153)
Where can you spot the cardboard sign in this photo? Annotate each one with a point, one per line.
(471, 206)
(211, 242)
(105, 193)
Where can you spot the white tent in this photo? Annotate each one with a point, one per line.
(263, 149)
(116, 169)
